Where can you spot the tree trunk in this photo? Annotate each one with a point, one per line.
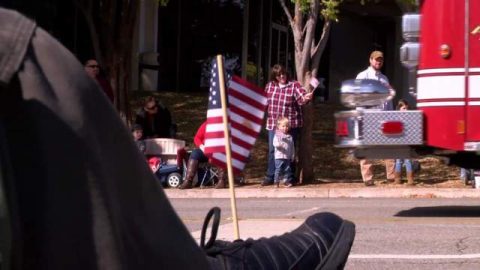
(307, 174)
(111, 25)
(305, 164)
(119, 61)
(121, 84)
(303, 28)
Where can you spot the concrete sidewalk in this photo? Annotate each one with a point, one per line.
(322, 192)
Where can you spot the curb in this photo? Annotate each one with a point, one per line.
(325, 193)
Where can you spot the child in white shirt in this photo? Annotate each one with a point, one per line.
(284, 152)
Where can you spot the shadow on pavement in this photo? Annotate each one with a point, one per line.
(441, 211)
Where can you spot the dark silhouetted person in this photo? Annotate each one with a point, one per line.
(86, 199)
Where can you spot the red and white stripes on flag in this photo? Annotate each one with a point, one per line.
(246, 109)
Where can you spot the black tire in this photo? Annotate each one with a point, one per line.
(174, 180)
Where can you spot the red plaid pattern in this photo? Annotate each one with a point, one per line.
(285, 102)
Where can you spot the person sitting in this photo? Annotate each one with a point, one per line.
(137, 133)
(155, 119)
(198, 156)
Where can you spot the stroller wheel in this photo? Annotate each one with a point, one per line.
(174, 180)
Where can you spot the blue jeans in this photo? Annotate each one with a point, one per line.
(283, 168)
(271, 154)
(398, 165)
(466, 174)
(197, 154)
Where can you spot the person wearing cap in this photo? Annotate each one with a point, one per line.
(373, 72)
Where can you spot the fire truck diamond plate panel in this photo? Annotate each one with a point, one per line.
(412, 127)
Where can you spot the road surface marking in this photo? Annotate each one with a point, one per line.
(301, 211)
(410, 257)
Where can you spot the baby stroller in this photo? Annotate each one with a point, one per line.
(167, 159)
(169, 174)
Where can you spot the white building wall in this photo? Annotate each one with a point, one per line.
(146, 45)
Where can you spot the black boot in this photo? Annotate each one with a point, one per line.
(323, 241)
(192, 167)
(238, 181)
(267, 181)
(222, 183)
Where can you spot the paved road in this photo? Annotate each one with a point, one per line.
(391, 233)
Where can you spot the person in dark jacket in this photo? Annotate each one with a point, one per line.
(93, 70)
(86, 199)
(155, 119)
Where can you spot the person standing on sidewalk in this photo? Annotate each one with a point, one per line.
(403, 106)
(284, 153)
(285, 98)
(373, 72)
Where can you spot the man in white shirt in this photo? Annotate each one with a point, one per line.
(373, 73)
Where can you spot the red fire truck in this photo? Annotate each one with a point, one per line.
(442, 51)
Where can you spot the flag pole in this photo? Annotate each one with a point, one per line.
(228, 152)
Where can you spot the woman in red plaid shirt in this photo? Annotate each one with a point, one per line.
(285, 98)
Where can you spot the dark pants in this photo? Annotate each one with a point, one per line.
(271, 151)
(198, 154)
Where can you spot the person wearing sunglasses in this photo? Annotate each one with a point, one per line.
(155, 119)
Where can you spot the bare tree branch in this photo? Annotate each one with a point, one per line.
(323, 39)
(310, 27)
(322, 43)
(287, 12)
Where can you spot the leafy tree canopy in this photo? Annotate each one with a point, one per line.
(330, 8)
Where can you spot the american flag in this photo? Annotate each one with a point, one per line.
(246, 108)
